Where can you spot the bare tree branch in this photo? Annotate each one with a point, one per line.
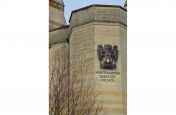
(70, 93)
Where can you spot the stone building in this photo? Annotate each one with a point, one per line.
(97, 34)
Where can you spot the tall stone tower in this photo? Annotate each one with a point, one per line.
(98, 36)
(97, 39)
(56, 14)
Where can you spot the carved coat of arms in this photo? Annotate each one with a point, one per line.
(108, 56)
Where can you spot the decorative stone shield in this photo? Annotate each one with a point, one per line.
(108, 56)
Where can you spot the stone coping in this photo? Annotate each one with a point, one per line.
(63, 27)
(61, 3)
(96, 5)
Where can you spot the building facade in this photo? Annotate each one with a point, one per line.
(96, 37)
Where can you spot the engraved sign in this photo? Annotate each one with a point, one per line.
(108, 56)
(106, 76)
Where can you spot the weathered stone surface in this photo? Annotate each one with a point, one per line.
(59, 1)
(102, 25)
(56, 15)
(58, 55)
(90, 27)
(59, 36)
(103, 13)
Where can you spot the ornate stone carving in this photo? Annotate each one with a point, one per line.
(108, 56)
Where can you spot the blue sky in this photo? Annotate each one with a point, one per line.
(71, 5)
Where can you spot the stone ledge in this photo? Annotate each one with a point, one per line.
(56, 5)
(97, 5)
(106, 13)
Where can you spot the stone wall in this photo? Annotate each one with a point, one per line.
(78, 43)
(81, 48)
(123, 45)
(100, 13)
(59, 52)
(59, 36)
(90, 27)
(110, 85)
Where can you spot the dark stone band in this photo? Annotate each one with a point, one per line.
(56, 5)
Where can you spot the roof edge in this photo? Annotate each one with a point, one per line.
(63, 27)
(97, 5)
(57, 2)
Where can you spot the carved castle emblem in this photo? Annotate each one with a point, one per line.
(108, 56)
